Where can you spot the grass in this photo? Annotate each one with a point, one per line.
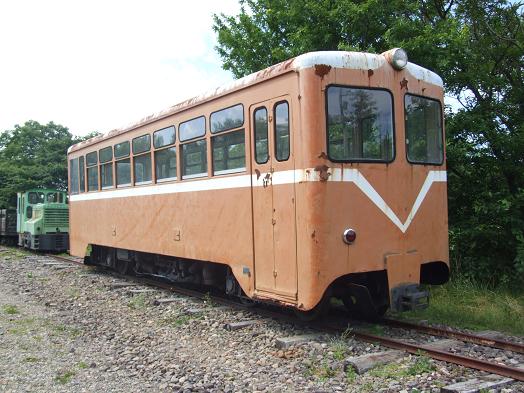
(10, 309)
(138, 302)
(322, 372)
(64, 377)
(421, 365)
(465, 304)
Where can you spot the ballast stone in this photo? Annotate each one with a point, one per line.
(287, 342)
(364, 363)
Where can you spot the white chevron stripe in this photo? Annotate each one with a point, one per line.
(282, 177)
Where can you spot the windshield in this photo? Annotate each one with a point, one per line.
(359, 124)
(424, 143)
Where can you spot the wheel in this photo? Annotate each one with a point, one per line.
(122, 267)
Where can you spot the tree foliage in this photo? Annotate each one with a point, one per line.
(477, 46)
(33, 155)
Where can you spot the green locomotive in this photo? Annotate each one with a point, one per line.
(43, 220)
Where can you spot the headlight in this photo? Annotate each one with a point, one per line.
(397, 57)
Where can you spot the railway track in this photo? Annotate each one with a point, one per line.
(515, 373)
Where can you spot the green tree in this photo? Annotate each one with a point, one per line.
(33, 155)
(477, 46)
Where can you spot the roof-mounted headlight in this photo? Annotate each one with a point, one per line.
(397, 57)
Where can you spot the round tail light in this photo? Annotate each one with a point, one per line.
(349, 236)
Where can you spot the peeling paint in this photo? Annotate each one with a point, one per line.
(404, 84)
(323, 173)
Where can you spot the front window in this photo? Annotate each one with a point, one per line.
(359, 124)
(424, 143)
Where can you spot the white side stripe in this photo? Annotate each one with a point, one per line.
(282, 177)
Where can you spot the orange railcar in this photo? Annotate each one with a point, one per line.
(320, 176)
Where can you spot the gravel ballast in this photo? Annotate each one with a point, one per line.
(77, 329)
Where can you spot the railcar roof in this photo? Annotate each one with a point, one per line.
(335, 59)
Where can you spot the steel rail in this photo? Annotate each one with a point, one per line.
(482, 365)
(468, 337)
(495, 368)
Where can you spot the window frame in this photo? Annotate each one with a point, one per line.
(195, 137)
(161, 149)
(233, 170)
(71, 175)
(275, 129)
(227, 129)
(124, 156)
(255, 137)
(182, 162)
(394, 135)
(143, 151)
(442, 140)
(133, 177)
(166, 145)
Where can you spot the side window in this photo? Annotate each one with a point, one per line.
(194, 159)
(228, 148)
(165, 158)
(194, 154)
(142, 159)
(261, 139)
(281, 131)
(82, 171)
(29, 212)
(73, 176)
(106, 167)
(92, 171)
(122, 164)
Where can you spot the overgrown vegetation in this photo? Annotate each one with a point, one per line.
(10, 309)
(476, 46)
(463, 303)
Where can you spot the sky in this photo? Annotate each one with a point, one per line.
(99, 65)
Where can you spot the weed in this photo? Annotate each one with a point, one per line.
(83, 365)
(422, 365)
(31, 359)
(64, 377)
(10, 309)
(322, 372)
(30, 275)
(137, 302)
(351, 374)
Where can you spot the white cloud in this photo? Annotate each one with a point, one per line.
(99, 65)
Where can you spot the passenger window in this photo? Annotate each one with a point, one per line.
(52, 198)
(106, 167)
(192, 129)
(164, 137)
(123, 173)
(229, 152)
(165, 163)
(92, 171)
(194, 159)
(82, 174)
(142, 163)
(122, 150)
(282, 131)
(92, 178)
(141, 144)
(261, 140)
(73, 176)
(227, 119)
(142, 168)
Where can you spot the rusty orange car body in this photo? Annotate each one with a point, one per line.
(276, 221)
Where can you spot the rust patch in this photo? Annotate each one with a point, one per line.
(404, 84)
(322, 69)
(313, 234)
(323, 173)
(323, 155)
(258, 173)
(370, 73)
